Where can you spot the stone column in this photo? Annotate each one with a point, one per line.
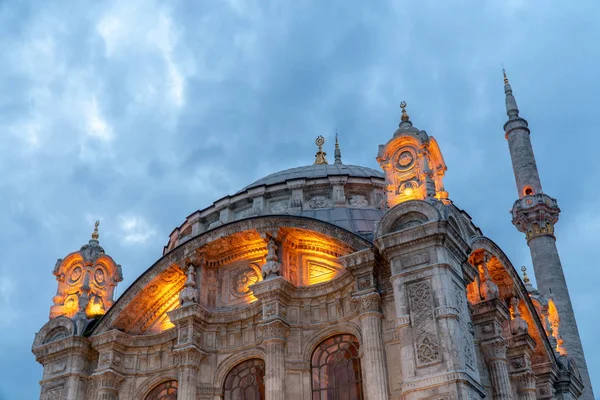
(274, 336)
(526, 385)
(107, 384)
(373, 359)
(189, 321)
(488, 317)
(494, 351)
(188, 360)
(521, 347)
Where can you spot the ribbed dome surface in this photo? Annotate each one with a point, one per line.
(316, 171)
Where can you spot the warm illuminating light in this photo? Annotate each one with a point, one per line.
(94, 310)
(554, 320)
(408, 191)
(166, 324)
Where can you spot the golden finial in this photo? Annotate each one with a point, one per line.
(505, 77)
(95, 234)
(320, 156)
(525, 277)
(404, 114)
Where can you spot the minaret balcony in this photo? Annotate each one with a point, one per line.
(535, 215)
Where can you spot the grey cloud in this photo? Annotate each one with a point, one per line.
(259, 83)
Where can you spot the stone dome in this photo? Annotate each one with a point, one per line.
(349, 196)
(316, 171)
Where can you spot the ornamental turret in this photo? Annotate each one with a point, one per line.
(86, 281)
(413, 164)
(535, 214)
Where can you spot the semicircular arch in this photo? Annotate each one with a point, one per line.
(179, 254)
(325, 333)
(227, 364)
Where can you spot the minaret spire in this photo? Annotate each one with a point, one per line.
(511, 104)
(338, 153)
(535, 214)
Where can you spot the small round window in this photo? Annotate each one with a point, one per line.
(528, 191)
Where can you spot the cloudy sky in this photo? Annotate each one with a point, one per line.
(138, 113)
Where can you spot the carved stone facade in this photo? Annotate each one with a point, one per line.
(269, 291)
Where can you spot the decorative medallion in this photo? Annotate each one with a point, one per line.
(405, 159)
(318, 202)
(241, 280)
(358, 201)
(75, 275)
(279, 206)
(99, 277)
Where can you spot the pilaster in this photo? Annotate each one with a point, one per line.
(275, 330)
(106, 384)
(189, 321)
(489, 316)
(519, 353)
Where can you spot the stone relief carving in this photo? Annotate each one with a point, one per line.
(279, 206)
(425, 332)
(53, 394)
(212, 284)
(467, 338)
(318, 202)
(272, 266)
(189, 294)
(242, 279)
(368, 302)
(358, 201)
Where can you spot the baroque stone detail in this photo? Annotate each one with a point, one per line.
(279, 206)
(535, 215)
(189, 356)
(272, 266)
(518, 326)
(422, 317)
(107, 379)
(466, 341)
(364, 282)
(242, 279)
(318, 202)
(358, 201)
(276, 329)
(495, 349)
(489, 290)
(189, 294)
(368, 303)
(53, 394)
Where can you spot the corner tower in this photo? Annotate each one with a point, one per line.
(413, 164)
(535, 214)
(86, 282)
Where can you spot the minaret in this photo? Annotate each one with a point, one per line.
(535, 214)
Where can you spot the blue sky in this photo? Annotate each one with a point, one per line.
(138, 113)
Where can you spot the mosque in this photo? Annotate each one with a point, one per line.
(327, 282)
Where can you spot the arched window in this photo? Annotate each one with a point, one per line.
(335, 368)
(165, 391)
(246, 381)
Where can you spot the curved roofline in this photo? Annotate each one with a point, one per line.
(371, 173)
(181, 248)
(479, 242)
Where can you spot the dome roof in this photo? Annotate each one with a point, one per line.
(316, 171)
